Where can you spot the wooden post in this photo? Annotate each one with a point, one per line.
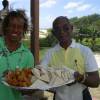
(35, 40)
(35, 29)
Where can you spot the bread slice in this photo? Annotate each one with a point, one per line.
(40, 74)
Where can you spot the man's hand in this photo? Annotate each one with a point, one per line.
(78, 77)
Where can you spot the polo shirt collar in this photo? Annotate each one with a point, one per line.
(20, 49)
(72, 45)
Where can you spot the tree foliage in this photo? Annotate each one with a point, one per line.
(85, 28)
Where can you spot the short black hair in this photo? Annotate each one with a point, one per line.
(15, 13)
(59, 18)
(56, 21)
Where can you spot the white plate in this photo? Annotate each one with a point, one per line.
(57, 77)
(20, 88)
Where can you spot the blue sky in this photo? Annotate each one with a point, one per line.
(50, 9)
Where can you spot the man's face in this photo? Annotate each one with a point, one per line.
(15, 29)
(63, 31)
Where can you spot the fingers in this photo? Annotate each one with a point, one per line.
(78, 77)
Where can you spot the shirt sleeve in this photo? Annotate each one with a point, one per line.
(90, 61)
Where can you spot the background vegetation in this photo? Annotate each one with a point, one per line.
(85, 30)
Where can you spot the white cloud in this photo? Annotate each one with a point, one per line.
(72, 5)
(78, 6)
(84, 7)
(48, 3)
